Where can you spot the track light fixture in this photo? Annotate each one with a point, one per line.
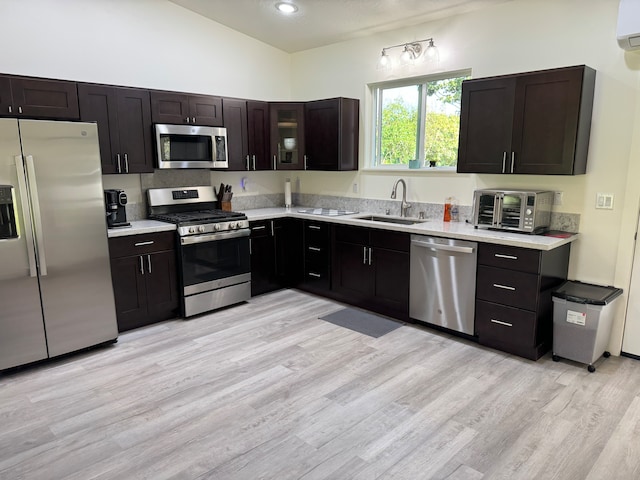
(412, 53)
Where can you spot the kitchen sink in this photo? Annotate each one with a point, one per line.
(391, 219)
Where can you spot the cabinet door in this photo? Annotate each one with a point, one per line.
(162, 285)
(235, 121)
(169, 107)
(52, 99)
(287, 135)
(134, 126)
(288, 247)
(206, 110)
(6, 103)
(129, 291)
(545, 127)
(99, 104)
(258, 135)
(263, 268)
(331, 134)
(486, 124)
(391, 288)
(352, 274)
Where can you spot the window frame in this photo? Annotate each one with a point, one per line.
(376, 119)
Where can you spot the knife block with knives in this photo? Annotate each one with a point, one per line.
(224, 195)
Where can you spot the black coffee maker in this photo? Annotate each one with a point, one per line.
(115, 200)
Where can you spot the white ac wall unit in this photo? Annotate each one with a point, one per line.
(629, 24)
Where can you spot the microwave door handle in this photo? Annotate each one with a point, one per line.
(26, 216)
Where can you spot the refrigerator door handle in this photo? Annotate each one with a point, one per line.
(26, 215)
(37, 217)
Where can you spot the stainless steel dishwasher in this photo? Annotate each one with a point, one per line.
(442, 289)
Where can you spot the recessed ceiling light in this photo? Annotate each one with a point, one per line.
(286, 7)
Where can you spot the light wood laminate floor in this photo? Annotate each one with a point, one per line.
(266, 390)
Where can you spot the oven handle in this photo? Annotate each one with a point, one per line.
(215, 236)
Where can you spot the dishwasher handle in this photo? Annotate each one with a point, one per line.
(448, 248)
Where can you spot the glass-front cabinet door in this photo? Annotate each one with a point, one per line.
(287, 136)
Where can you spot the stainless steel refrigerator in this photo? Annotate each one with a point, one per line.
(56, 294)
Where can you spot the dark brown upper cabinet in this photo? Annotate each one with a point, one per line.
(38, 98)
(124, 126)
(530, 123)
(182, 108)
(235, 120)
(287, 135)
(331, 134)
(258, 135)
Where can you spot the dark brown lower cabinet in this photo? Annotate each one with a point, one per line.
(514, 309)
(370, 269)
(276, 254)
(143, 271)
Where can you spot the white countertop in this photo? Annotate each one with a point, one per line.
(140, 226)
(436, 228)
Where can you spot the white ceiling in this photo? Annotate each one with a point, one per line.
(322, 22)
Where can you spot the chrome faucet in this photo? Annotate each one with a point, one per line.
(404, 206)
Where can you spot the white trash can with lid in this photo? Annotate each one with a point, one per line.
(582, 318)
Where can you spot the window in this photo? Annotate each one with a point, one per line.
(418, 119)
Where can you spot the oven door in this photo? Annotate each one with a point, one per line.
(213, 261)
(512, 206)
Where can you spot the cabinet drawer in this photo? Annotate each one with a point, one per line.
(513, 258)
(316, 234)
(390, 240)
(316, 255)
(347, 234)
(497, 325)
(316, 276)
(516, 289)
(260, 228)
(141, 244)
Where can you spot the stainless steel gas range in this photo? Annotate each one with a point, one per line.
(213, 247)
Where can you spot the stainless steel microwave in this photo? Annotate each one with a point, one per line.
(527, 211)
(191, 146)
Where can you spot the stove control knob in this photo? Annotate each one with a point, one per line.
(216, 227)
(528, 211)
(192, 230)
(201, 228)
(232, 226)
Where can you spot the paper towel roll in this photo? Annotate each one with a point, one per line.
(287, 193)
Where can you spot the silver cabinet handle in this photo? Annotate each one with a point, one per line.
(259, 227)
(187, 119)
(305, 162)
(37, 217)
(314, 227)
(142, 244)
(126, 163)
(19, 109)
(364, 255)
(274, 162)
(253, 159)
(493, 320)
(119, 164)
(250, 247)
(26, 215)
(141, 265)
(315, 249)
(10, 109)
(193, 119)
(248, 163)
(316, 275)
(513, 160)
(149, 263)
(448, 248)
(504, 161)
(272, 233)
(369, 255)
(500, 255)
(504, 287)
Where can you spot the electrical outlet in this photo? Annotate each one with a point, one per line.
(355, 188)
(604, 201)
(557, 198)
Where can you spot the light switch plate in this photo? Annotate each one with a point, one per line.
(604, 201)
(557, 198)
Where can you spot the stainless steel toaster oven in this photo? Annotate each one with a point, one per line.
(527, 211)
